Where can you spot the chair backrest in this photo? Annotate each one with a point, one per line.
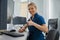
(19, 20)
(53, 23)
(52, 35)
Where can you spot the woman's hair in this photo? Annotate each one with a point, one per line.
(32, 4)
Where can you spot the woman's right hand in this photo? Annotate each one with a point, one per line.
(22, 29)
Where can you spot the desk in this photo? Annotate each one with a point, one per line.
(6, 37)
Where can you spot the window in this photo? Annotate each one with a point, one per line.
(23, 9)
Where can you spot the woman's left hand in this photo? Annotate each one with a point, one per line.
(30, 22)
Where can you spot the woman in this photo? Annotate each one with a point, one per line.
(36, 24)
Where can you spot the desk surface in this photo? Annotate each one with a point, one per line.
(6, 37)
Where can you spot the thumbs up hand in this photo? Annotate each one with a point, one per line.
(30, 23)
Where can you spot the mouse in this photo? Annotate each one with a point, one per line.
(12, 30)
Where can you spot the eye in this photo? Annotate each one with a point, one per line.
(28, 9)
(31, 8)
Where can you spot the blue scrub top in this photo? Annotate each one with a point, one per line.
(34, 33)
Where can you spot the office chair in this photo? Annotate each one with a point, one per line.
(53, 35)
(53, 23)
(19, 20)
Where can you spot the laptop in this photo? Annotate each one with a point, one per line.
(13, 34)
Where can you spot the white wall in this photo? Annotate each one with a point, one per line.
(16, 8)
(55, 9)
(10, 8)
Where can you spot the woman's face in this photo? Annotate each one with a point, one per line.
(32, 9)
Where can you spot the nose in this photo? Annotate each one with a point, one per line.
(30, 10)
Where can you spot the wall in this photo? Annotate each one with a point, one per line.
(10, 8)
(16, 8)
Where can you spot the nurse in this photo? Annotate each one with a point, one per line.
(36, 24)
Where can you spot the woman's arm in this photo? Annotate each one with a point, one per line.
(42, 27)
(23, 28)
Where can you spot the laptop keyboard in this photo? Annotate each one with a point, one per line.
(13, 34)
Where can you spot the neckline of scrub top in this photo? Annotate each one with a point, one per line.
(34, 16)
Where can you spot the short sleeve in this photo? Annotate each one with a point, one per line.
(41, 20)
